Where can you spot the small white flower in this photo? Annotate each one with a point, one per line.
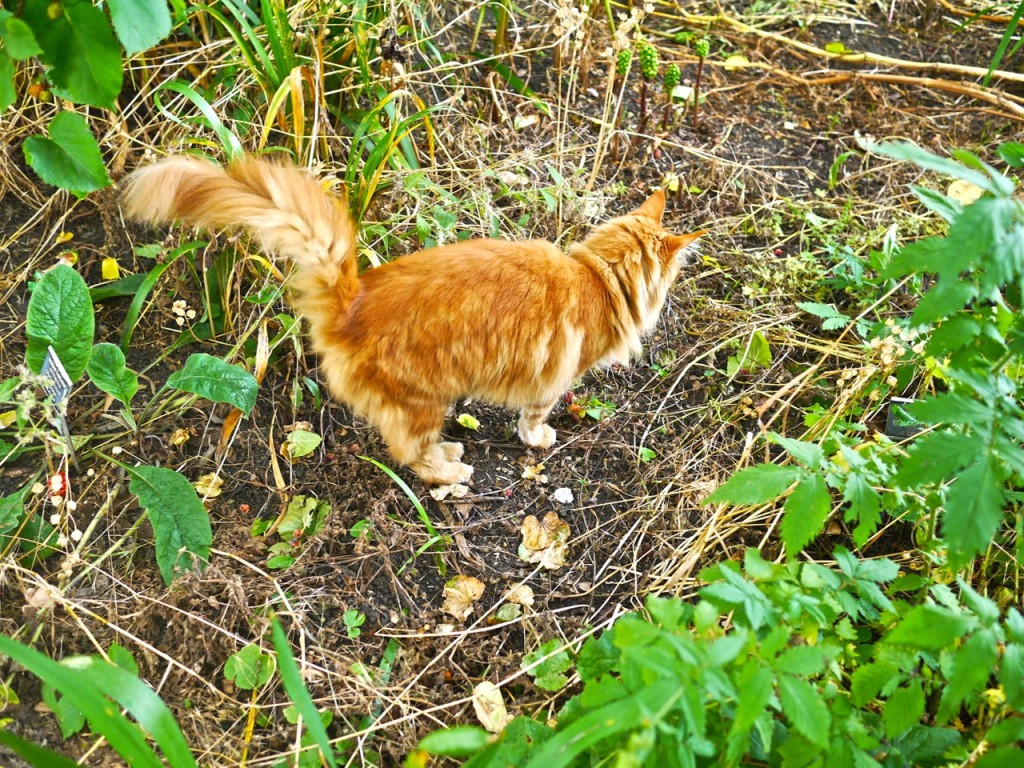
(76, 535)
(55, 518)
(562, 495)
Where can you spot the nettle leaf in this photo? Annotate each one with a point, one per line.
(938, 456)
(1011, 674)
(60, 315)
(803, 660)
(832, 319)
(809, 454)
(865, 507)
(972, 665)
(140, 24)
(936, 202)
(181, 525)
(734, 593)
(804, 513)
(952, 408)
(903, 709)
(69, 158)
(84, 58)
(214, 379)
(755, 686)
(947, 297)
(109, 373)
(989, 179)
(755, 485)
(871, 679)
(973, 511)
(806, 710)
(929, 627)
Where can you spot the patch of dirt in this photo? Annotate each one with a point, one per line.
(762, 160)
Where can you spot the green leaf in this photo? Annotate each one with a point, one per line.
(944, 299)
(597, 656)
(869, 680)
(296, 689)
(803, 660)
(755, 685)
(108, 372)
(302, 442)
(832, 318)
(84, 58)
(929, 627)
(1001, 757)
(973, 511)
(755, 485)
(993, 182)
(736, 593)
(70, 158)
(1011, 674)
(122, 734)
(972, 664)
(140, 24)
(249, 668)
(865, 508)
(1012, 153)
(804, 513)
(8, 95)
(60, 315)
(33, 754)
(216, 380)
(458, 741)
(937, 457)
(805, 709)
(903, 709)
(181, 525)
(548, 674)
(936, 202)
(19, 41)
(806, 453)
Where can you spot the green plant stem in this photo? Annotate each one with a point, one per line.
(696, 92)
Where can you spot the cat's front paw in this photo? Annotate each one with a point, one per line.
(539, 436)
(451, 451)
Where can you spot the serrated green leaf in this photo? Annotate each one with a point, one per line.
(947, 297)
(755, 685)
(995, 183)
(214, 379)
(548, 674)
(806, 710)
(937, 457)
(865, 508)
(737, 594)
(69, 158)
(929, 627)
(802, 660)
(140, 24)
(1001, 757)
(84, 58)
(804, 513)
(936, 202)
(809, 454)
(60, 315)
(973, 511)
(903, 709)
(954, 333)
(18, 38)
(1011, 674)
(983, 607)
(972, 664)
(755, 485)
(952, 408)
(109, 373)
(868, 680)
(181, 525)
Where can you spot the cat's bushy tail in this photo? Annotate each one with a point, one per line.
(283, 206)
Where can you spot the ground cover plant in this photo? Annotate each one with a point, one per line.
(788, 534)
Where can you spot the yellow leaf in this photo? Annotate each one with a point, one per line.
(490, 707)
(544, 541)
(964, 191)
(459, 595)
(110, 269)
(209, 485)
(736, 61)
(469, 422)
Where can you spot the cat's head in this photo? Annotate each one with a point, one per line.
(643, 256)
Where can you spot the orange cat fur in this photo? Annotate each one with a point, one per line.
(508, 322)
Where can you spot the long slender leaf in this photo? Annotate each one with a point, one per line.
(142, 292)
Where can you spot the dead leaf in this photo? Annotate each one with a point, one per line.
(544, 542)
(490, 707)
(209, 485)
(521, 594)
(736, 61)
(180, 437)
(535, 472)
(455, 490)
(964, 192)
(460, 593)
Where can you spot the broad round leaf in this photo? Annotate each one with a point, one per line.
(212, 378)
(70, 158)
(108, 372)
(60, 315)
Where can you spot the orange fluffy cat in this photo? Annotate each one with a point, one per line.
(508, 322)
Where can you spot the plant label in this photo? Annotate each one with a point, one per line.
(60, 383)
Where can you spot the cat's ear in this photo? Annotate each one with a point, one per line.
(654, 206)
(673, 245)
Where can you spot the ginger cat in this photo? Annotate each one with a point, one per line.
(512, 323)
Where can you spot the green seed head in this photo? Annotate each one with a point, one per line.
(672, 76)
(623, 62)
(702, 47)
(648, 60)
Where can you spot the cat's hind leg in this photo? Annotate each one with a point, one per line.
(533, 427)
(413, 432)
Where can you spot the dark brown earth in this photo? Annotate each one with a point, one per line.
(755, 173)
